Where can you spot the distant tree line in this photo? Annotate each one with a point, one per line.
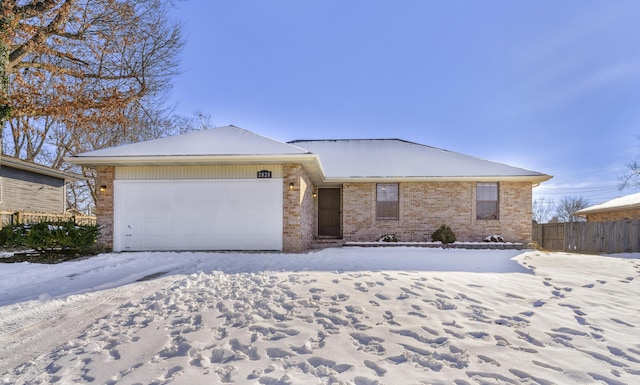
(563, 211)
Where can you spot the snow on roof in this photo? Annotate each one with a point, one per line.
(227, 140)
(339, 160)
(620, 203)
(371, 158)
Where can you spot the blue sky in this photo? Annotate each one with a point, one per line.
(552, 86)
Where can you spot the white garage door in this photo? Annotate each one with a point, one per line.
(230, 214)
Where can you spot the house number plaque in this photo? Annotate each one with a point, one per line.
(264, 174)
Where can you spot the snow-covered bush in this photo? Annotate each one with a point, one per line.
(388, 238)
(444, 234)
(494, 238)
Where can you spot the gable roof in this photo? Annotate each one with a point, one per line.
(621, 203)
(20, 164)
(400, 159)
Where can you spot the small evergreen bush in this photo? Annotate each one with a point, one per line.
(49, 235)
(444, 234)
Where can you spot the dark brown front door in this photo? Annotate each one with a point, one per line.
(329, 212)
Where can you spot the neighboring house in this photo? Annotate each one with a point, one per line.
(626, 207)
(230, 189)
(26, 186)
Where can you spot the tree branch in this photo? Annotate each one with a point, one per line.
(34, 8)
(40, 36)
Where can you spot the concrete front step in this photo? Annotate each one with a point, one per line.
(323, 243)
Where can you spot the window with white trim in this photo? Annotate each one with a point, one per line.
(387, 201)
(487, 201)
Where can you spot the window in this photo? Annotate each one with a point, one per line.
(487, 201)
(387, 202)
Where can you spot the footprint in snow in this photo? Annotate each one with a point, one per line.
(379, 370)
(622, 322)
(488, 360)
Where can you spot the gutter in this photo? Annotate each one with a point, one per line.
(535, 179)
(185, 159)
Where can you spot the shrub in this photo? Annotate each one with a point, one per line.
(444, 234)
(494, 238)
(388, 238)
(49, 235)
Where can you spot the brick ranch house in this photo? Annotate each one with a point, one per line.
(230, 189)
(621, 208)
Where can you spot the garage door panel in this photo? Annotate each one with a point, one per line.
(198, 215)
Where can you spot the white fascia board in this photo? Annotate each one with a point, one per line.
(534, 179)
(187, 160)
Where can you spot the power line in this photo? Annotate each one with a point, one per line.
(563, 190)
(593, 196)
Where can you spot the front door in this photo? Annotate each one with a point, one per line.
(329, 212)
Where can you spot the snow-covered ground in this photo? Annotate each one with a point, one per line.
(339, 316)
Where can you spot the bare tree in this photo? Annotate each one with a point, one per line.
(632, 177)
(565, 211)
(542, 210)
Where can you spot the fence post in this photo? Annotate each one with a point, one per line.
(635, 233)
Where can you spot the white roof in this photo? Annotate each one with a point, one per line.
(620, 203)
(326, 160)
(228, 140)
(395, 158)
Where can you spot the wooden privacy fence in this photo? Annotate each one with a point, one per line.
(20, 217)
(549, 236)
(589, 237)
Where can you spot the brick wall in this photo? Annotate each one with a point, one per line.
(613, 216)
(426, 206)
(104, 205)
(298, 209)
